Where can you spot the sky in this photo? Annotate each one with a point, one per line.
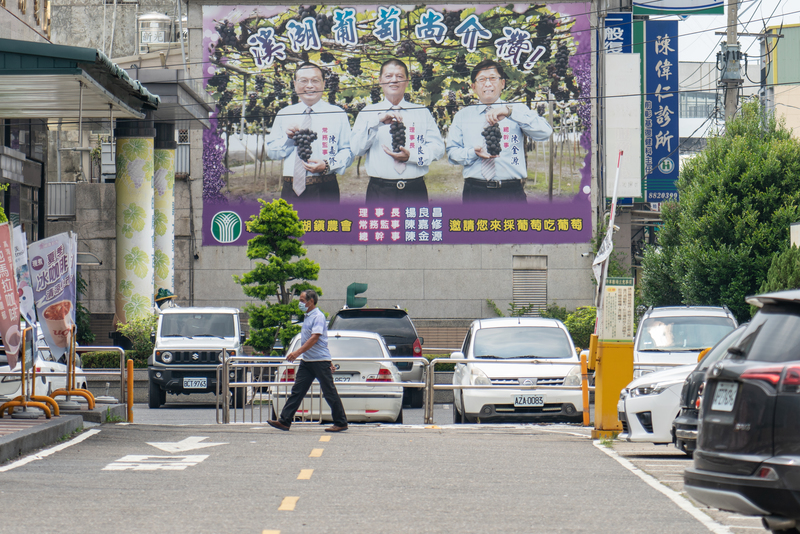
(698, 42)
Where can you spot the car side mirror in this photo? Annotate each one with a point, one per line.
(242, 337)
(152, 337)
(457, 355)
(421, 340)
(703, 353)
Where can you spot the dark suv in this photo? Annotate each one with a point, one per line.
(400, 335)
(748, 446)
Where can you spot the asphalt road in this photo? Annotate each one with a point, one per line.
(372, 478)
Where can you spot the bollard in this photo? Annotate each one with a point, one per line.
(585, 388)
(614, 371)
(130, 391)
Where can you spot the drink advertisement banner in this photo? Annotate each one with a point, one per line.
(393, 136)
(9, 300)
(53, 266)
(24, 287)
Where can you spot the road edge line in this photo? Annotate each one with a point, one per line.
(47, 452)
(674, 496)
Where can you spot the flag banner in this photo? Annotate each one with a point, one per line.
(9, 299)
(26, 306)
(53, 266)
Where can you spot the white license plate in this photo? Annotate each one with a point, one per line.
(342, 378)
(195, 383)
(523, 401)
(724, 396)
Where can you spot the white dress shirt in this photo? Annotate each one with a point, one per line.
(423, 140)
(333, 136)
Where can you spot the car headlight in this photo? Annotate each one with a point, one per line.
(573, 378)
(479, 378)
(623, 393)
(166, 357)
(221, 356)
(653, 389)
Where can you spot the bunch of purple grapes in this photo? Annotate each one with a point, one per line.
(398, 131)
(260, 83)
(493, 136)
(452, 19)
(375, 94)
(220, 80)
(302, 141)
(326, 57)
(354, 66)
(324, 23)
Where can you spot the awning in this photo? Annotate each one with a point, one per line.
(46, 81)
(183, 101)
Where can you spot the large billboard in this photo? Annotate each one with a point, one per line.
(426, 151)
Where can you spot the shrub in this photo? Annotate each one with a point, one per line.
(441, 367)
(138, 331)
(108, 360)
(580, 324)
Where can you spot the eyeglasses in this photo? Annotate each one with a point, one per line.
(394, 77)
(483, 79)
(309, 81)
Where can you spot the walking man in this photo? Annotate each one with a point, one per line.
(493, 178)
(396, 176)
(313, 180)
(316, 363)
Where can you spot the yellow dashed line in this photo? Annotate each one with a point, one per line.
(305, 474)
(324, 438)
(288, 503)
(315, 453)
(270, 532)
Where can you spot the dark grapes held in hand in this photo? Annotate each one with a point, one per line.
(302, 141)
(493, 136)
(398, 131)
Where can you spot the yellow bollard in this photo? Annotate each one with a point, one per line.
(585, 388)
(130, 390)
(613, 371)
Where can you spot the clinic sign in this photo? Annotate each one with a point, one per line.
(251, 54)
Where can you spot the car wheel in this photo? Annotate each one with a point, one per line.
(456, 416)
(154, 399)
(399, 420)
(417, 397)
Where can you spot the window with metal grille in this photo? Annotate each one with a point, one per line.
(529, 283)
(183, 136)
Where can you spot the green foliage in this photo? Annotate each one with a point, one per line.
(3, 217)
(100, 360)
(82, 315)
(737, 200)
(554, 311)
(513, 309)
(784, 273)
(138, 331)
(441, 367)
(616, 261)
(580, 324)
(278, 277)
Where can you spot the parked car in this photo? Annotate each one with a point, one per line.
(11, 386)
(677, 334)
(748, 446)
(490, 340)
(684, 427)
(401, 338)
(362, 403)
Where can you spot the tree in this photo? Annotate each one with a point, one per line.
(278, 277)
(737, 200)
(784, 272)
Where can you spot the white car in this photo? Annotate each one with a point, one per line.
(363, 403)
(649, 404)
(11, 386)
(489, 341)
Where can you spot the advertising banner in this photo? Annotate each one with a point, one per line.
(9, 300)
(24, 287)
(53, 267)
(661, 135)
(425, 151)
(678, 7)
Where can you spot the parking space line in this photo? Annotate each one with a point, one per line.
(52, 450)
(315, 453)
(324, 438)
(288, 504)
(305, 474)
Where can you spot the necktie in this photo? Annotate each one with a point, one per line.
(487, 165)
(399, 166)
(299, 181)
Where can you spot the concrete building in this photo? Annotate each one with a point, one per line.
(781, 74)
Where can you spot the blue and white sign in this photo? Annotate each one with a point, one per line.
(678, 7)
(618, 36)
(661, 135)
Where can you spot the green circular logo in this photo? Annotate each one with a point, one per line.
(666, 165)
(226, 226)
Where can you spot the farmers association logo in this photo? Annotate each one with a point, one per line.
(226, 227)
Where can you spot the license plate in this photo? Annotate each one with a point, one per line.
(342, 378)
(528, 400)
(724, 396)
(195, 383)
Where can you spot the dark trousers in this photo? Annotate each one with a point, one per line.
(477, 191)
(324, 192)
(382, 190)
(306, 373)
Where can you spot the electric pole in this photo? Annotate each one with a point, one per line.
(731, 62)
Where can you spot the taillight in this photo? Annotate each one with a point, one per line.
(384, 375)
(287, 375)
(417, 348)
(699, 395)
(791, 382)
(771, 375)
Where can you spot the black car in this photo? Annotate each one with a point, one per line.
(401, 338)
(748, 449)
(684, 427)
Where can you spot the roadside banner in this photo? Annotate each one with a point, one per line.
(24, 289)
(9, 299)
(52, 264)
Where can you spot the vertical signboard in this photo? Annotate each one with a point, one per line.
(661, 135)
(24, 285)
(618, 35)
(9, 300)
(617, 320)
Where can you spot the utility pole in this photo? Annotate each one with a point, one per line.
(731, 62)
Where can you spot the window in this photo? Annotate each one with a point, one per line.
(697, 105)
(183, 136)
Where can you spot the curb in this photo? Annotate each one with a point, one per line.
(37, 437)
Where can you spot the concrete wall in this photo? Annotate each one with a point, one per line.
(23, 27)
(787, 102)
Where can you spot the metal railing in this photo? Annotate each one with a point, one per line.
(60, 200)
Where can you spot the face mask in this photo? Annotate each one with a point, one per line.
(303, 307)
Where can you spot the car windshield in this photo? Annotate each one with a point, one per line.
(197, 325)
(773, 336)
(688, 333)
(522, 342)
(350, 347)
(389, 323)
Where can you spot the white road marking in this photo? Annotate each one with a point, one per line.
(189, 444)
(673, 495)
(48, 452)
(143, 462)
